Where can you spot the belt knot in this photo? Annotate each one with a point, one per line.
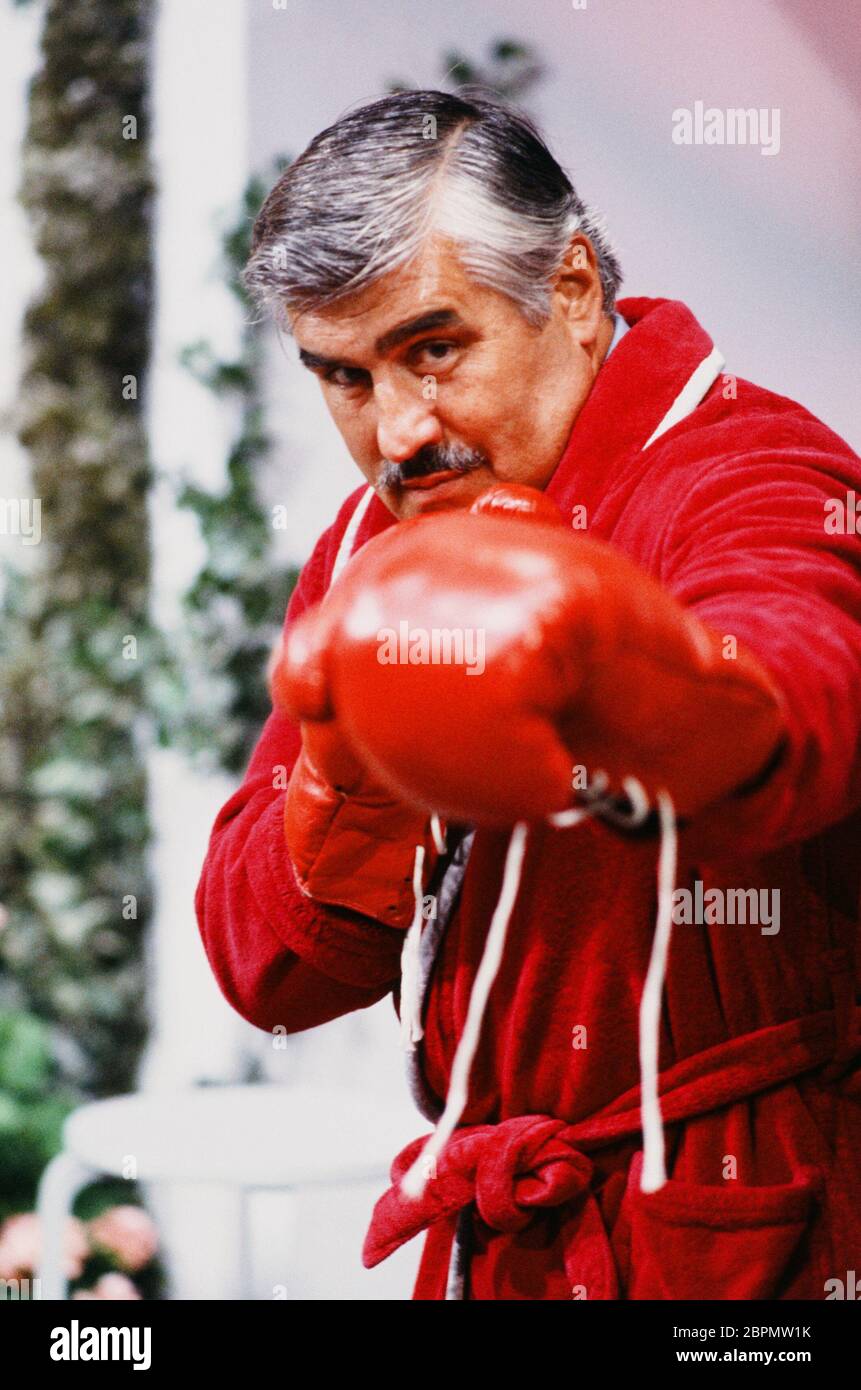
(528, 1165)
(507, 1169)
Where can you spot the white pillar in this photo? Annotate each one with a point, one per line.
(199, 152)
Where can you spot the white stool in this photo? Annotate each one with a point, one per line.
(247, 1137)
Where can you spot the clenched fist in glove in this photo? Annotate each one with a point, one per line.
(351, 842)
(472, 660)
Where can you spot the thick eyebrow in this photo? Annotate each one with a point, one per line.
(315, 362)
(435, 318)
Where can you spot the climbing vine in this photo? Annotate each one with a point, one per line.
(235, 607)
(73, 822)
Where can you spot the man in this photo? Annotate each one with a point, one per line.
(672, 626)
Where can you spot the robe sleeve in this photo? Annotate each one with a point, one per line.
(280, 958)
(748, 549)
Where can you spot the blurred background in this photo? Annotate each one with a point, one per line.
(184, 466)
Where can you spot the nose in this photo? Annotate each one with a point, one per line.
(406, 422)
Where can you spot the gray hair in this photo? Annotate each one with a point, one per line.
(370, 189)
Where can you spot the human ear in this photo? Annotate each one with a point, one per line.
(578, 291)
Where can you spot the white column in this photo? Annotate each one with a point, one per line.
(199, 152)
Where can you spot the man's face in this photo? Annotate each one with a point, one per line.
(440, 387)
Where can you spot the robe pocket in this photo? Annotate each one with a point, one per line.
(687, 1241)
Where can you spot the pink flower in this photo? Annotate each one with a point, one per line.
(111, 1286)
(127, 1233)
(21, 1246)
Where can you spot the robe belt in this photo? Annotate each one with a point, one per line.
(511, 1168)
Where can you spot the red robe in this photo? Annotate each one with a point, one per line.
(732, 509)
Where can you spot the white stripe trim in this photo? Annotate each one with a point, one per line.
(345, 549)
(691, 393)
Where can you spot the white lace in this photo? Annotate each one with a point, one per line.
(411, 1013)
(653, 1174)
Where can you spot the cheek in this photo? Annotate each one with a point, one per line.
(498, 385)
(508, 420)
(356, 427)
(474, 404)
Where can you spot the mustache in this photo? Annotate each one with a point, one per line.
(431, 458)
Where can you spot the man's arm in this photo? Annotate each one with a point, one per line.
(595, 659)
(748, 552)
(281, 958)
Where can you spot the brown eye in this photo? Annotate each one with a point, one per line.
(434, 352)
(345, 377)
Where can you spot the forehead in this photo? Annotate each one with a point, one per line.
(433, 279)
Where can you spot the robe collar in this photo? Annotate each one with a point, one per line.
(665, 355)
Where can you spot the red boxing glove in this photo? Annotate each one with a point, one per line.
(519, 503)
(352, 844)
(474, 660)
